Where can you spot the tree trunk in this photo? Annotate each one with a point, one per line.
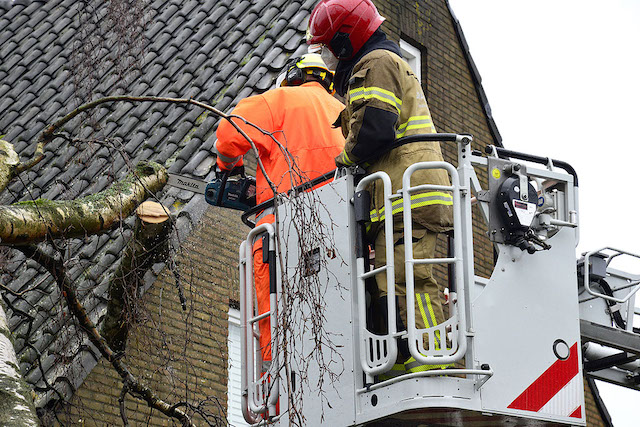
(16, 402)
(148, 245)
(33, 221)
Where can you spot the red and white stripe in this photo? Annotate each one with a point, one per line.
(557, 391)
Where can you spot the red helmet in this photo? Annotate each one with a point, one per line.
(343, 25)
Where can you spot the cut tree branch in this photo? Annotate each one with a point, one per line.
(134, 387)
(9, 162)
(148, 245)
(34, 221)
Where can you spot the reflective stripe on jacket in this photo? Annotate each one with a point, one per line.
(299, 118)
(385, 102)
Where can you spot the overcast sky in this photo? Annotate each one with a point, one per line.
(563, 81)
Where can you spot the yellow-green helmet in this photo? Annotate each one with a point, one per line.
(308, 65)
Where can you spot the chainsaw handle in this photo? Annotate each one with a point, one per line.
(224, 175)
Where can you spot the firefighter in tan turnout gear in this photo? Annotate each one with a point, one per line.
(384, 102)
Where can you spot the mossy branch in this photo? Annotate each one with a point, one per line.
(135, 387)
(34, 221)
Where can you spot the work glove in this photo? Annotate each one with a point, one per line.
(342, 160)
(237, 170)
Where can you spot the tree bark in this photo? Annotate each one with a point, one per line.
(9, 162)
(16, 402)
(148, 245)
(34, 221)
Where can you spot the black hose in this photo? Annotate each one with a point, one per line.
(615, 315)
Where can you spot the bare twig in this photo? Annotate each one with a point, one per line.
(135, 387)
(49, 132)
(123, 408)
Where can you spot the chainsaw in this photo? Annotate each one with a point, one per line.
(233, 193)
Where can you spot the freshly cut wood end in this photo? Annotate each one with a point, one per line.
(152, 212)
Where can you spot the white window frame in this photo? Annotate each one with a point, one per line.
(412, 55)
(234, 401)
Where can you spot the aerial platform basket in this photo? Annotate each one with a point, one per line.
(513, 337)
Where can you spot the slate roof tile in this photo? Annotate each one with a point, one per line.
(180, 87)
(161, 41)
(213, 91)
(17, 22)
(211, 44)
(264, 83)
(177, 166)
(151, 73)
(194, 162)
(168, 55)
(218, 13)
(259, 5)
(264, 46)
(174, 116)
(239, 9)
(13, 12)
(44, 27)
(150, 121)
(168, 12)
(7, 118)
(14, 133)
(4, 88)
(275, 57)
(277, 28)
(203, 31)
(286, 38)
(195, 63)
(197, 21)
(64, 38)
(227, 70)
(153, 30)
(61, 24)
(203, 78)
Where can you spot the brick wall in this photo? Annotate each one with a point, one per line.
(177, 353)
(594, 419)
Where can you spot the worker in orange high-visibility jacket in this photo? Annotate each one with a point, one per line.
(299, 114)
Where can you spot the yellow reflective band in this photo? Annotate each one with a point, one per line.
(345, 157)
(228, 159)
(415, 122)
(396, 371)
(433, 319)
(425, 319)
(412, 365)
(417, 200)
(377, 93)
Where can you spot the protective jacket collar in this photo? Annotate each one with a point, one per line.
(377, 41)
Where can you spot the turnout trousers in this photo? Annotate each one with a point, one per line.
(429, 295)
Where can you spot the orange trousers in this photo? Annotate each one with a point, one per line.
(261, 282)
